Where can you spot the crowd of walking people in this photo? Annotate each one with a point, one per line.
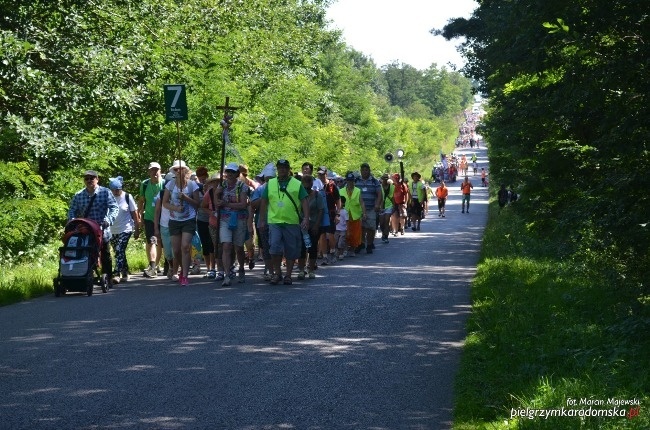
(291, 222)
(281, 218)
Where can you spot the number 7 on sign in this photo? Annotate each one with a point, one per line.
(175, 102)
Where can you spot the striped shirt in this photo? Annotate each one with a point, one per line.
(369, 188)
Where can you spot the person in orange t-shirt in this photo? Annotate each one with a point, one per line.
(441, 193)
(466, 188)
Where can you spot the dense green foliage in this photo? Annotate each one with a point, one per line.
(81, 87)
(542, 334)
(568, 127)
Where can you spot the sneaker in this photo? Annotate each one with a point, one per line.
(195, 270)
(368, 250)
(287, 280)
(226, 282)
(211, 274)
(267, 277)
(384, 240)
(125, 277)
(220, 276)
(413, 228)
(116, 280)
(175, 278)
(150, 272)
(301, 274)
(240, 277)
(275, 279)
(332, 258)
(159, 270)
(325, 262)
(463, 212)
(232, 274)
(185, 281)
(340, 257)
(311, 275)
(251, 264)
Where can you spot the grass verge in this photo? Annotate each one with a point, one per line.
(24, 281)
(543, 336)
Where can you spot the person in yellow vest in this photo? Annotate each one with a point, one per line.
(387, 192)
(418, 200)
(356, 213)
(284, 210)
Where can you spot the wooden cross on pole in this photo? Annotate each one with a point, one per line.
(225, 138)
(225, 124)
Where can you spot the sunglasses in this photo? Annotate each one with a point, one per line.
(89, 178)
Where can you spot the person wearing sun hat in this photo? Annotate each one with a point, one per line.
(181, 197)
(148, 194)
(161, 229)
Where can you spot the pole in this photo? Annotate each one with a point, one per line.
(225, 139)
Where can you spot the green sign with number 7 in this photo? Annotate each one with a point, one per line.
(175, 102)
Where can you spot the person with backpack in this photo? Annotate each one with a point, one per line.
(232, 201)
(126, 224)
(148, 194)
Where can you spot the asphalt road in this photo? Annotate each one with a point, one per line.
(372, 343)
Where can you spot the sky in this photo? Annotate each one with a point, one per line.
(398, 30)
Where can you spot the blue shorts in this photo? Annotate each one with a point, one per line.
(285, 239)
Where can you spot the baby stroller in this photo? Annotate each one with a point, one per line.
(79, 258)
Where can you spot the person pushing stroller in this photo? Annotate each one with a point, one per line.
(98, 204)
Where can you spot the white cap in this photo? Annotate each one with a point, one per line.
(153, 165)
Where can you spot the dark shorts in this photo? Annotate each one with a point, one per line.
(416, 208)
(148, 232)
(176, 228)
(441, 203)
(332, 227)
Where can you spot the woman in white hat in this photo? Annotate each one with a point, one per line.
(182, 199)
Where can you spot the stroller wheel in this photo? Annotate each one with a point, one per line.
(104, 283)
